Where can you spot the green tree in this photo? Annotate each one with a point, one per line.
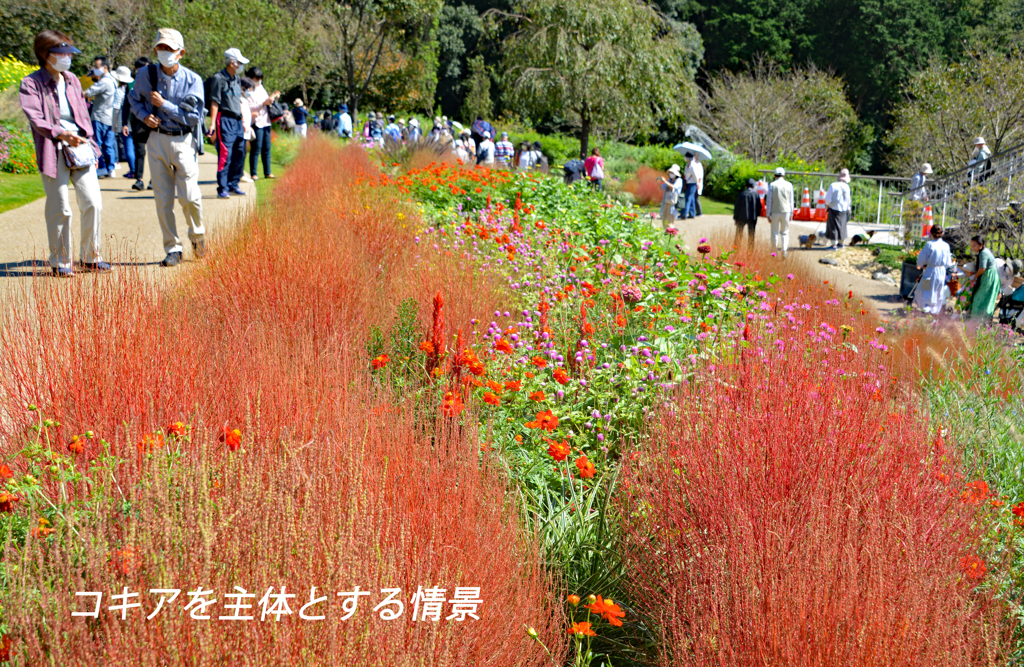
(459, 31)
(945, 107)
(617, 65)
(478, 95)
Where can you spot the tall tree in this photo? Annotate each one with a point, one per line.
(617, 64)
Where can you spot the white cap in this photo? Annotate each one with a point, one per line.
(487, 135)
(779, 171)
(169, 37)
(235, 54)
(979, 141)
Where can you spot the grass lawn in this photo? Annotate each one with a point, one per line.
(708, 207)
(19, 189)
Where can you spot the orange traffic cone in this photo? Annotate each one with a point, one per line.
(820, 211)
(804, 213)
(928, 219)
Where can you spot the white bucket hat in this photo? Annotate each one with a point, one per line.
(844, 175)
(979, 141)
(674, 169)
(926, 169)
(122, 74)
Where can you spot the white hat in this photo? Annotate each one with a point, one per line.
(414, 122)
(979, 141)
(926, 169)
(487, 135)
(844, 175)
(235, 54)
(122, 74)
(780, 171)
(297, 103)
(169, 37)
(674, 169)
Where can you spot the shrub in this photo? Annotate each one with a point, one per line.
(12, 71)
(17, 151)
(646, 187)
(789, 508)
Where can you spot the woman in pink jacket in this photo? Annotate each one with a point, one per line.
(53, 101)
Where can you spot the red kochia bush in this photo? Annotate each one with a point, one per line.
(646, 187)
(785, 512)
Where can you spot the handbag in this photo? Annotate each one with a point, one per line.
(275, 110)
(81, 156)
(597, 172)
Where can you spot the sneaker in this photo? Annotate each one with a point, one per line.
(199, 248)
(223, 195)
(130, 174)
(237, 193)
(172, 259)
(245, 179)
(101, 267)
(840, 246)
(150, 186)
(138, 185)
(61, 272)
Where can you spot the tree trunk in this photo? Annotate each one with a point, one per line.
(584, 135)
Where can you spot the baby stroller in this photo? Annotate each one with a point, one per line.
(1011, 309)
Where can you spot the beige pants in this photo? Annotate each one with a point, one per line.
(780, 230)
(58, 213)
(173, 166)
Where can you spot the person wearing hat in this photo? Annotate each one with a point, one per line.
(392, 132)
(504, 150)
(102, 94)
(485, 151)
(672, 187)
(52, 100)
(467, 141)
(917, 191)
(260, 100)
(173, 111)
(226, 123)
(693, 185)
(779, 207)
(135, 133)
(415, 133)
(344, 122)
(746, 211)
(839, 204)
(979, 155)
(122, 77)
(299, 113)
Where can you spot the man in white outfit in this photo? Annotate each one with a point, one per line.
(779, 207)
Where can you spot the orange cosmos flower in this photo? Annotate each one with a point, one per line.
(151, 442)
(494, 386)
(503, 346)
(7, 502)
(452, 405)
(380, 361)
(972, 567)
(607, 609)
(582, 629)
(5, 472)
(77, 445)
(491, 398)
(42, 530)
(537, 396)
(561, 377)
(513, 385)
(528, 374)
(539, 362)
(545, 420)
(176, 430)
(587, 469)
(558, 450)
(427, 347)
(975, 493)
(231, 438)
(1018, 512)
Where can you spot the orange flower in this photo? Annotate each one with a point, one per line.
(491, 398)
(151, 442)
(561, 377)
(124, 561)
(528, 374)
(610, 611)
(231, 438)
(573, 600)
(7, 502)
(380, 361)
(42, 530)
(176, 430)
(582, 629)
(427, 347)
(537, 396)
(494, 386)
(513, 385)
(452, 405)
(5, 648)
(587, 469)
(539, 362)
(1018, 511)
(77, 445)
(545, 420)
(5, 472)
(976, 492)
(503, 346)
(972, 567)
(558, 450)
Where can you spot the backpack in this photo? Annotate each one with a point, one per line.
(276, 111)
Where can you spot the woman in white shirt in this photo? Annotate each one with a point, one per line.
(248, 118)
(672, 187)
(929, 295)
(261, 127)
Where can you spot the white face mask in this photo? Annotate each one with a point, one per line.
(168, 58)
(61, 62)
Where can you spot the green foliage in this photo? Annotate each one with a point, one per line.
(478, 94)
(726, 175)
(19, 189)
(17, 151)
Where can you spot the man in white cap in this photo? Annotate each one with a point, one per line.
(917, 191)
(779, 207)
(979, 155)
(168, 99)
(485, 151)
(839, 205)
(504, 150)
(415, 133)
(226, 123)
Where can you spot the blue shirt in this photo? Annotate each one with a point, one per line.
(174, 89)
(299, 114)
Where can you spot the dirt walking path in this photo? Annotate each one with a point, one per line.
(131, 233)
(882, 296)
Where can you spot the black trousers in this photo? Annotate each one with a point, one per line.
(260, 148)
(140, 151)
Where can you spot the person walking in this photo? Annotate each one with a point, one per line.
(594, 167)
(123, 79)
(985, 281)
(172, 112)
(504, 150)
(299, 113)
(525, 157)
(415, 133)
(917, 191)
(248, 118)
(979, 156)
(102, 113)
(53, 102)
(226, 123)
(538, 160)
(392, 132)
(933, 260)
(344, 122)
(485, 151)
(839, 205)
(779, 207)
(745, 212)
(694, 185)
(261, 101)
(671, 187)
(135, 132)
